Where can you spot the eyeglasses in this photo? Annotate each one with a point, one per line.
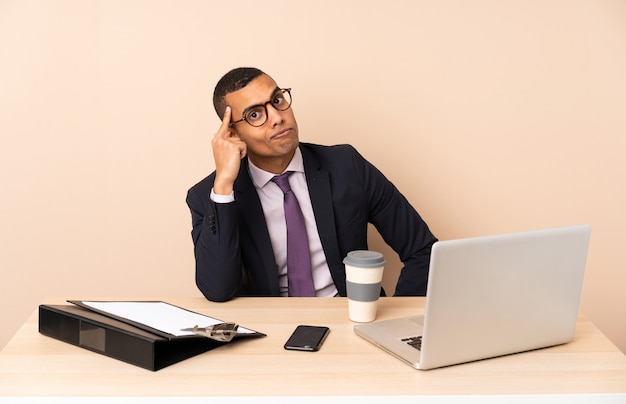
(256, 115)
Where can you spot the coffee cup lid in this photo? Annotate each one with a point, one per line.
(364, 259)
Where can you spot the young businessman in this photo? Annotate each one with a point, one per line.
(239, 211)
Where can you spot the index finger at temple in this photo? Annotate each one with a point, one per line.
(224, 127)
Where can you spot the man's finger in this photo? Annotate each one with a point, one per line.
(224, 127)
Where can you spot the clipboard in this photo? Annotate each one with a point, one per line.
(158, 317)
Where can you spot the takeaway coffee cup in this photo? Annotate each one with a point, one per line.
(364, 275)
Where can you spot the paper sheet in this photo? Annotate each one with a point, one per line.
(159, 315)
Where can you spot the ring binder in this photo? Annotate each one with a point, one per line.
(126, 342)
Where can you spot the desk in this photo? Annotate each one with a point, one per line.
(38, 366)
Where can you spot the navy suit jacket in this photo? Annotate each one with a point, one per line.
(232, 247)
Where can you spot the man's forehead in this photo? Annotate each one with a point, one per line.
(257, 91)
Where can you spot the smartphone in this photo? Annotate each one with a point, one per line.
(307, 338)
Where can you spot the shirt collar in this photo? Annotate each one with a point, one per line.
(262, 177)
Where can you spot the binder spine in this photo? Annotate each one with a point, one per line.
(118, 340)
(97, 337)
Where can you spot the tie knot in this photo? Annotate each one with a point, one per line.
(283, 181)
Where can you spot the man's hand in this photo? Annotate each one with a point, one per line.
(228, 150)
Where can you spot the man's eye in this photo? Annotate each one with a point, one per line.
(254, 114)
(278, 100)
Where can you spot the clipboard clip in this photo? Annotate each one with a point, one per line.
(223, 332)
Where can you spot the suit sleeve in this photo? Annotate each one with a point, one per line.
(215, 234)
(400, 226)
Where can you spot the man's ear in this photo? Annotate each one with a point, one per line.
(234, 130)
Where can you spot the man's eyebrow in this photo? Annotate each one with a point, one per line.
(276, 90)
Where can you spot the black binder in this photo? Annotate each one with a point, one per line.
(117, 339)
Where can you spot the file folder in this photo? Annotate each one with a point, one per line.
(120, 340)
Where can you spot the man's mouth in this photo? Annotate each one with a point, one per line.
(280, 134)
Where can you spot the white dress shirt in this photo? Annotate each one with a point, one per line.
(272, 198)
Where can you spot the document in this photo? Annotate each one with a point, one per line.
(160, 316)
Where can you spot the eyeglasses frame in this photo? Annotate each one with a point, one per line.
(264, 105)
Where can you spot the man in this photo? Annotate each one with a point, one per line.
(239, 211)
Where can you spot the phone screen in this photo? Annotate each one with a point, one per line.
(307, 338)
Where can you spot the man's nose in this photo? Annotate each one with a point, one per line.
(274, 116)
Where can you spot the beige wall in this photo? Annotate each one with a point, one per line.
(491, 116)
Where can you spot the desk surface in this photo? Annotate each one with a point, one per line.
(35, 365)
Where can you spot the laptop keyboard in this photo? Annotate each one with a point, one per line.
(415, 342)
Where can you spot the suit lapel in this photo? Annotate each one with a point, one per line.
(253, 219)
(318, 181)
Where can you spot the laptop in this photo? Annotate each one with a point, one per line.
(491, 296)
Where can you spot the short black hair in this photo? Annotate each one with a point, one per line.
(232, 81)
